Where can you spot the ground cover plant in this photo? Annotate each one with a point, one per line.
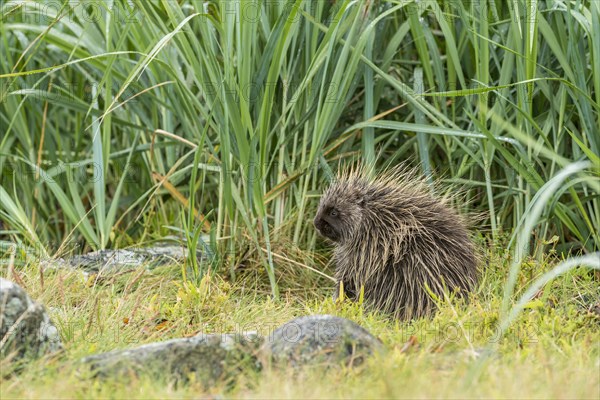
(217, 124)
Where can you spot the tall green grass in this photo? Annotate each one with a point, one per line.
(218, 121)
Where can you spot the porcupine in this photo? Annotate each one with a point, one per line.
(396, 240)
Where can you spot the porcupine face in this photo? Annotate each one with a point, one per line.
(339, 212)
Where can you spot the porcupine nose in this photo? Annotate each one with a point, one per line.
(319, 223)
(325, 229)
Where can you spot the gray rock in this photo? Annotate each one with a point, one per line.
(320, 340)
(124, 259)
(25, 328)
(208, 358)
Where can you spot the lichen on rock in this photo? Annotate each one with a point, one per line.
(25, 327)
(320, 340)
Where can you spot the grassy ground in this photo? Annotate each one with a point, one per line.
(552, 351)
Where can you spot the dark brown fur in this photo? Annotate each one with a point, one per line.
(394, 238)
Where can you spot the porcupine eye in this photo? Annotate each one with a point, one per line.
(333, 212)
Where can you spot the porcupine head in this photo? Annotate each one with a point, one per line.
(339, 218)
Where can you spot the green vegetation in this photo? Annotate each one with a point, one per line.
(218, 123)
(552, 351)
